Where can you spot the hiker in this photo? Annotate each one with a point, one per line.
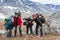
(8, 27)
(28, 25)
(20, 23)
(17, 23)
(38, 24)
(39, 19)
(42, 18)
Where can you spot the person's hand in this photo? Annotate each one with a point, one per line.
(39, 27)
(18, 26)
(8, 30)
(29, 21)
(26, 23)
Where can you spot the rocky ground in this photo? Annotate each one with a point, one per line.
(45, 37)
(29, 37)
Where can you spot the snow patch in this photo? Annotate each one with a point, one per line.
(2, 32)
(2, 16)
(10, 7)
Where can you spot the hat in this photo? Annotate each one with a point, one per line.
(6, 19)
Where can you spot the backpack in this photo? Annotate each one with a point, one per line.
(24, 23)
(11, 23)
(42, 19)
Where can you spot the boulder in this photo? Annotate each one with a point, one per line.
(2, 32)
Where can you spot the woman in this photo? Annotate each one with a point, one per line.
(20, 23)
(15, 23)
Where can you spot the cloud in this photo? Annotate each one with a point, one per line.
(48, 1)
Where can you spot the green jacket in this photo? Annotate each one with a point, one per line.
(7, 25)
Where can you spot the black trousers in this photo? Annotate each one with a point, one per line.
(41, 32)
(27, 29)
(15, 31)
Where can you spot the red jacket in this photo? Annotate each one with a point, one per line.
(17, 21)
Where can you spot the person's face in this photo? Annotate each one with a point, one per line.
(33, 15)
(16, 15)
(36, 15)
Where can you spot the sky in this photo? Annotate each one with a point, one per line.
(56, 2)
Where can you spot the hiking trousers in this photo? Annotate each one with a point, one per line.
(27, 29)
(37, 26)
(20, 31)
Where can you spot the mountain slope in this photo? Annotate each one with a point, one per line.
(54, 21)
(27, 6)
(54, 7)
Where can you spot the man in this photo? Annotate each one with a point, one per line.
(28, 25)
(38, 21)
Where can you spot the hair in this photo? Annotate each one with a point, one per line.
(33, 15)
(16, 13)
(37, 14)
(19, 13)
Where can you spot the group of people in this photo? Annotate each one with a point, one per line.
(39, 20)
(13, 22)
(16, 21)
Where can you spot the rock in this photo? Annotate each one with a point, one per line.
(2, 32)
